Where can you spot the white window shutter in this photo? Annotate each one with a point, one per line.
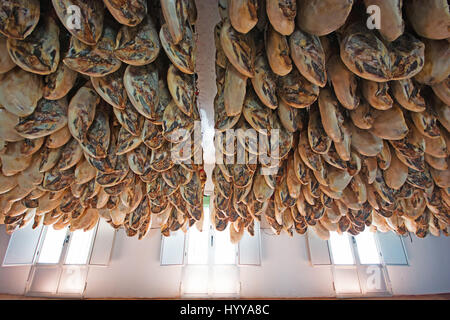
(103, 244)
(318, 249)
(172, 249)
(392, 248)
(22, 246)
(249, 248)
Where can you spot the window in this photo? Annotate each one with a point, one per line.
(319, 252)
(392, 249)
(47, 246)
(249, 248)
(209, 258)
(63, 258)
(210, 246)
(103, 245)
(22, 246)
(340, 248)
(172, 249)
(224, 252)
(210, 268)
(79, 247)
(52, 245)
(199, 247)
(356, 263)
(199, 242)
(59, 258)
(348, 250)
(367, 248)
(65, 247)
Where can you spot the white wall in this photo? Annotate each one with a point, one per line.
(285, 271)
(135, 270)
(429, 270)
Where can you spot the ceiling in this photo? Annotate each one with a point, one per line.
(208, 16)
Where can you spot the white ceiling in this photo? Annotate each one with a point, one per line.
(208, 17)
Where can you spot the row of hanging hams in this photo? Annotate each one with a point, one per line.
(358, 119)
(89, 115)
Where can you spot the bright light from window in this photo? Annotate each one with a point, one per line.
(52, 246)
(198, 245)
(211, 259)
(80, 245)
(367, 248)
(195, 280)
(73, 280)
(346, 280)
(224, 250)
(341, 250)
(224, 280)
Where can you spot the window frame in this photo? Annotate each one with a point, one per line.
(94, 241)
(211, 235)
(213, 252)
(312, 238)
(164, 242)
(40, 239)
(330, 258)
(61, 267)
(403, 247)
(91, 247)
(352, 250)
(35, 251)
(357, 268)
(41, 244)
(210, 268)
(257, 228)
